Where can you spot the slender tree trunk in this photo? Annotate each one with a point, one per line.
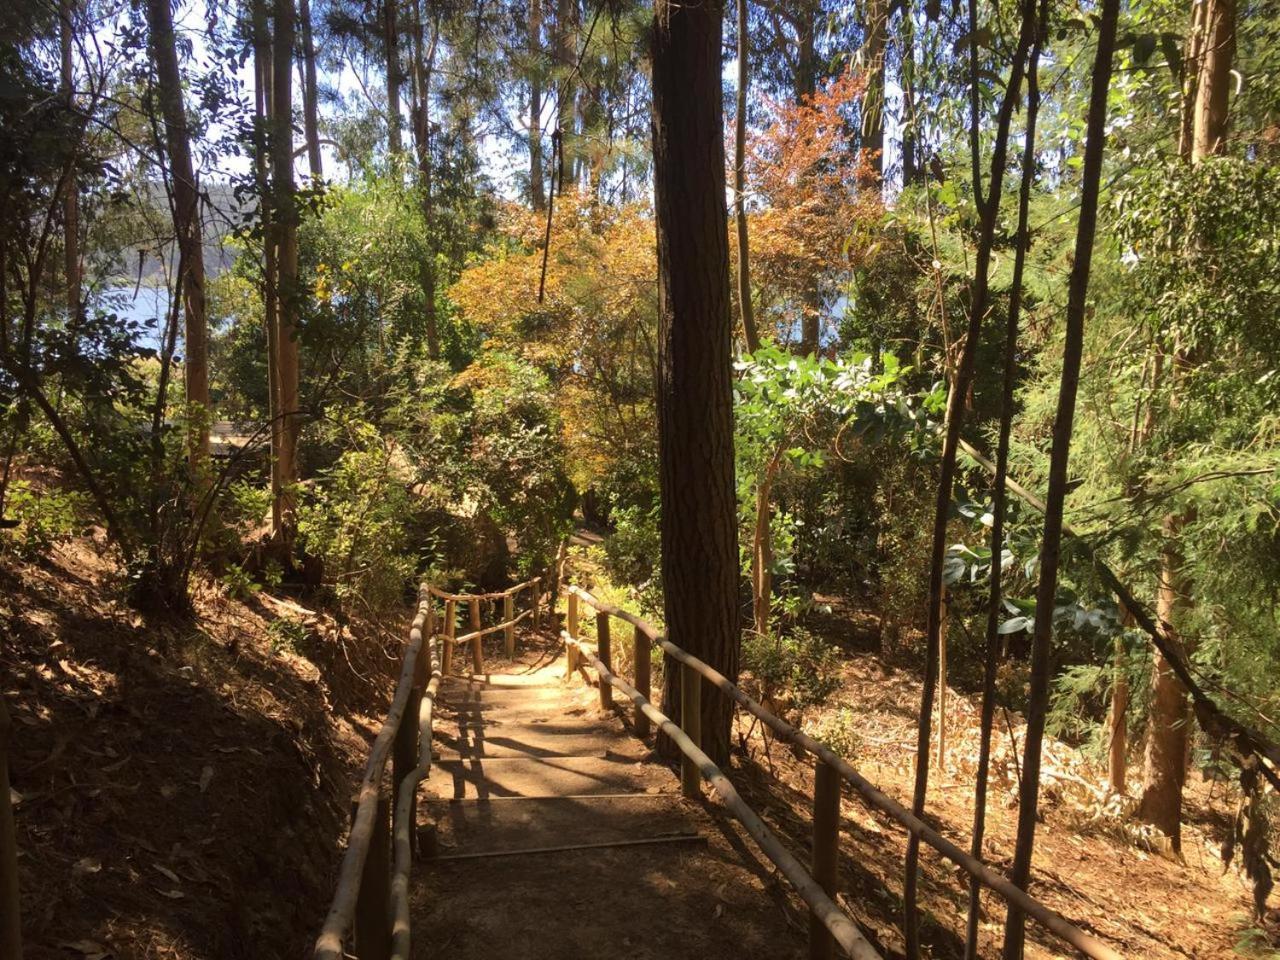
(953, 423)
(391, 44)
(1214, 88)
(1064, 419)
(285, 228)
(999, 509)
(186, 225)
(567, 87)
(695, 413)
(749, 334)
(71, 194)
(310, 92)
(762, 551)
(537, 181)
(907, 78)
(423, 70)
(806, 84)
(873, 99)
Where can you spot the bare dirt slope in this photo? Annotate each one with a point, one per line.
(182, 784)
(528, 762)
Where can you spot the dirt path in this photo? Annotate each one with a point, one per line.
(528, 762)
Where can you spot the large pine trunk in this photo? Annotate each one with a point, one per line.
(186, 225)
(695, 414)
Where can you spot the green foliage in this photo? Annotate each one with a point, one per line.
(798, 665)
(44, 515)
(841, 730)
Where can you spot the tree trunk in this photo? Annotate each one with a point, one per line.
(423, 69)
(873, 99)
(391, 43)
(953, 423)
(71, 194)
(749, 334)
(284, 226)
(1170, 717)
(695, 412)
(1214, 87)
(310, 92)
(186, 225)
(907, 79)
(537, 184)
(1211, 48)
(1064, 419)
(762, 552)
(566, 87)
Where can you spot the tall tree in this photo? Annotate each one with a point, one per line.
(537, 184)
(566, 48)
(1211, 49)
(310, 92)
(749, 334)
(695, 412)
(284, 227)
(71, 191)
(424, 59)
(186, 225)
(391, 49)
(1059, 480)
(873, 102)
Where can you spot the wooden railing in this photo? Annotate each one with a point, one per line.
(828, 922)
(369, 915)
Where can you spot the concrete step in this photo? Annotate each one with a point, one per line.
(546, 777)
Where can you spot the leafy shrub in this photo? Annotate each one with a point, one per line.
(797, 666)
(44, 517)
(839, 729)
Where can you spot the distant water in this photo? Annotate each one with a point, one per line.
(148, 307)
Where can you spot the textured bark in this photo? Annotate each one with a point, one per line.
(537, 185)
(749, 334)
(1064, 419)
(1170, 719)
(284, 226)
(391, 45)
(186, 225)
(1214, 87)
(71, 191)
(695, 414)
(310, 92)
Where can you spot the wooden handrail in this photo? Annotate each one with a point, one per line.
(835, 920)
(341, 916)
(486, 631)
(1054, 922)
(466, 597)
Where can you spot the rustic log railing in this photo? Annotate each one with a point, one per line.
(828, 921)
(369, 915)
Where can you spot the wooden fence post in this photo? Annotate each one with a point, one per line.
(691, 724)
(571, 651)
(535, 604)
(10, 921)
(450, 631)
(373, 905)
(477, 648)
(509, 635)
(605, 653)
(643, 664)
(826, 851)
